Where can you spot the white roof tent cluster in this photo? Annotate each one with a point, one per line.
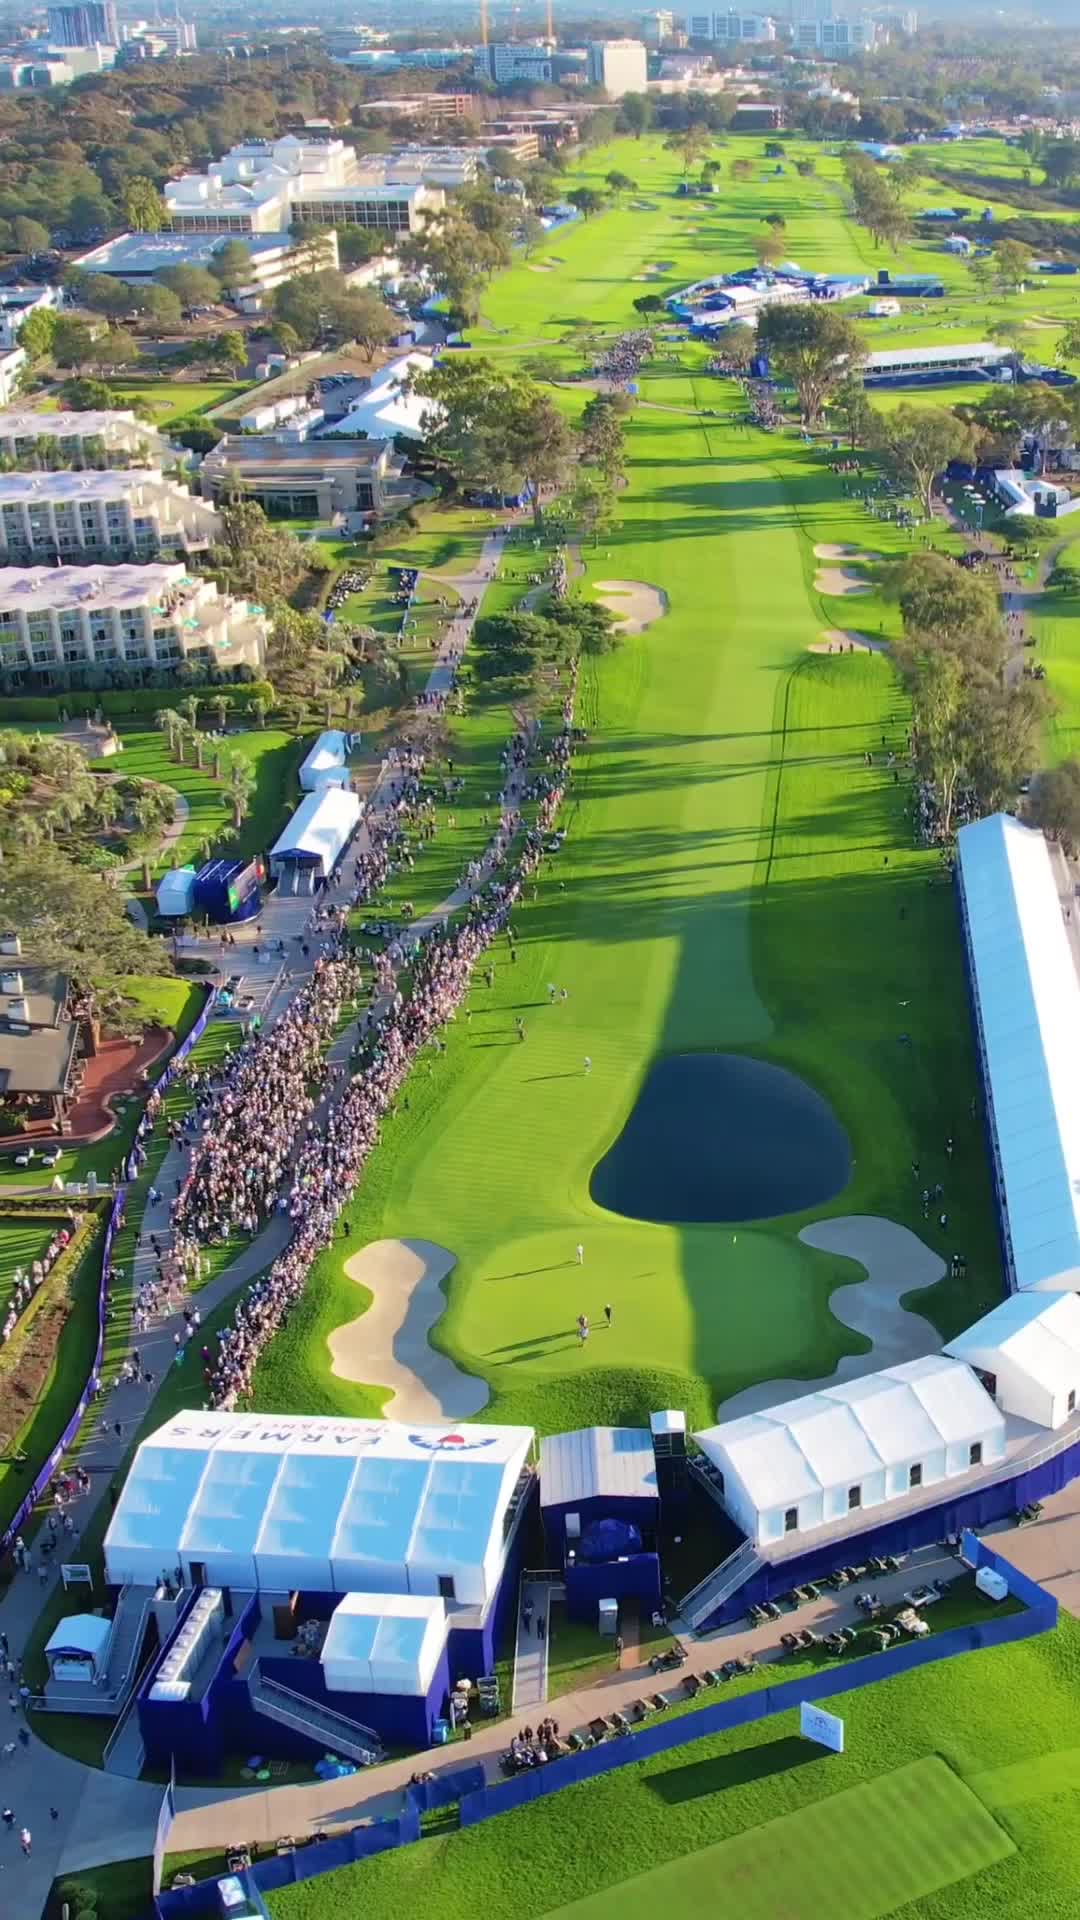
(328, 1506)
(854, 1446)
(318, 832)
(597, 1463)
(384, 1643)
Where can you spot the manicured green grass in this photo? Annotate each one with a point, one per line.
(123, 1889)
(929, 1830)
(47, 1413)
(274, 756)
(1011, 1705)
(169, 400)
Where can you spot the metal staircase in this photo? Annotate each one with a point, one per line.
(312, 1719)
(720, 1584)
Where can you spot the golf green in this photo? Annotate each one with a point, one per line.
(719, 1136)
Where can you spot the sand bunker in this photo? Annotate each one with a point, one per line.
(539, 266)
(846, 640)
(633, 602)
(840, 582)
(825, 551)
(896, 1262)
(389, 1345)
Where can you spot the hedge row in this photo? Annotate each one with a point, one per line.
(49, 706)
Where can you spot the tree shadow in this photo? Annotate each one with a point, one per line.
(726, 1770)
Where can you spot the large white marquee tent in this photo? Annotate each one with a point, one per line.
(1027, 1002)
(331, 1506)
(860, 1444)
(384, 1643)
(318, 832)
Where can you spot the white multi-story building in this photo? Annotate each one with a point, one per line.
(275, 258)
(12, 364)
(619, 66)
(118, 514)
(87, 439)
(657, 28)
(731, 28)
(837, 34)
(56, 619)
(264, 186)
(504, 62)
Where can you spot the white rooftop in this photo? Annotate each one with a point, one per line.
(1029, 1007)
(855, 1428)
(384, 409)
(38, 589)
(94, 484)
(1038, 1331)
(384, 1643)
(320, 826)
(607, 1462)
(334, 1505)
(23, 424)
(981, 352)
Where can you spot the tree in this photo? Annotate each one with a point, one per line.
(635, 113)
(649, 303)
(286, 338)
(951, 608)
(158, 306)
(73, 342)
(805, 168)
(814, 347)
(230, 264)
(1063, 579)
(853, 409)
(230, 349)
(776, 221)
(691, 144)
(144, 208)
(493, 429)
(769, 248)
(69, 920)
(100, 293)
(619, 182)
(742, 170)
(919, 442)
(546, 367)
(1054, 803)
(193, 286)
(37, 333)
(533, 231)
(29, 235)
(366, 319)
(118, 348)
(1068, 346)
(255, 558)
(603, 442)
(586, 200)
(241, 788)
(1012, 265)
(592, 502)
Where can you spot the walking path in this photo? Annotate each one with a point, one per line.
(531, 1647)
(110, 1811)
(896, 1262)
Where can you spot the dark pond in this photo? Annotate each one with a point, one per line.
(717, 1136)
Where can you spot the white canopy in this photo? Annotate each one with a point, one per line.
(328, 1505)
(319, 830)
(384, 410)
(1030, 1346)
(77, 1648)
(606, 1462)
(384, 1643)
(857, 1444)
(176, 891)
(1028, 999)
(327, 764)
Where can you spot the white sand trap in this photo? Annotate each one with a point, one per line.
(826, 551)
(539, 266)
(896, 1262)
(633, 602)
(389, 1343)
(840, 583)
(846, 640)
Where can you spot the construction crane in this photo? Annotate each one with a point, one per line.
(550, 23)
(483, 23)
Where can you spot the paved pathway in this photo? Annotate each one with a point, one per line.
(109, 1812)
(531, 1650)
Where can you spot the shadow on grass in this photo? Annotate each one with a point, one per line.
(726, 1770)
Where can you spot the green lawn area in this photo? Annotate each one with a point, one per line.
(169, 400)
(275, 756)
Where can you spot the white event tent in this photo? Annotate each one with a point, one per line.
(597, 1463)
(318, 832)
(1027, 1009)
(330, 1506)
(860, 1444)
(1027, 1350)
(385, 410)
(327, 764)
(384, 1643)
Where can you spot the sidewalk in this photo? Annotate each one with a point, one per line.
(103, 1817)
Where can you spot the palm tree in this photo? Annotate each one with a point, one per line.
(241, 787)
(189, 708)
(219, 707)
(106, 805)
(199, 742)
(170, 723)
(260, 707)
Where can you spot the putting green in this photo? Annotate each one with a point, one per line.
(862, 1853)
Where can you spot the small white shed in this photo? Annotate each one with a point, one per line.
(327, 764)
(176, 893)
(1027, 1353)
(77, 1650)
